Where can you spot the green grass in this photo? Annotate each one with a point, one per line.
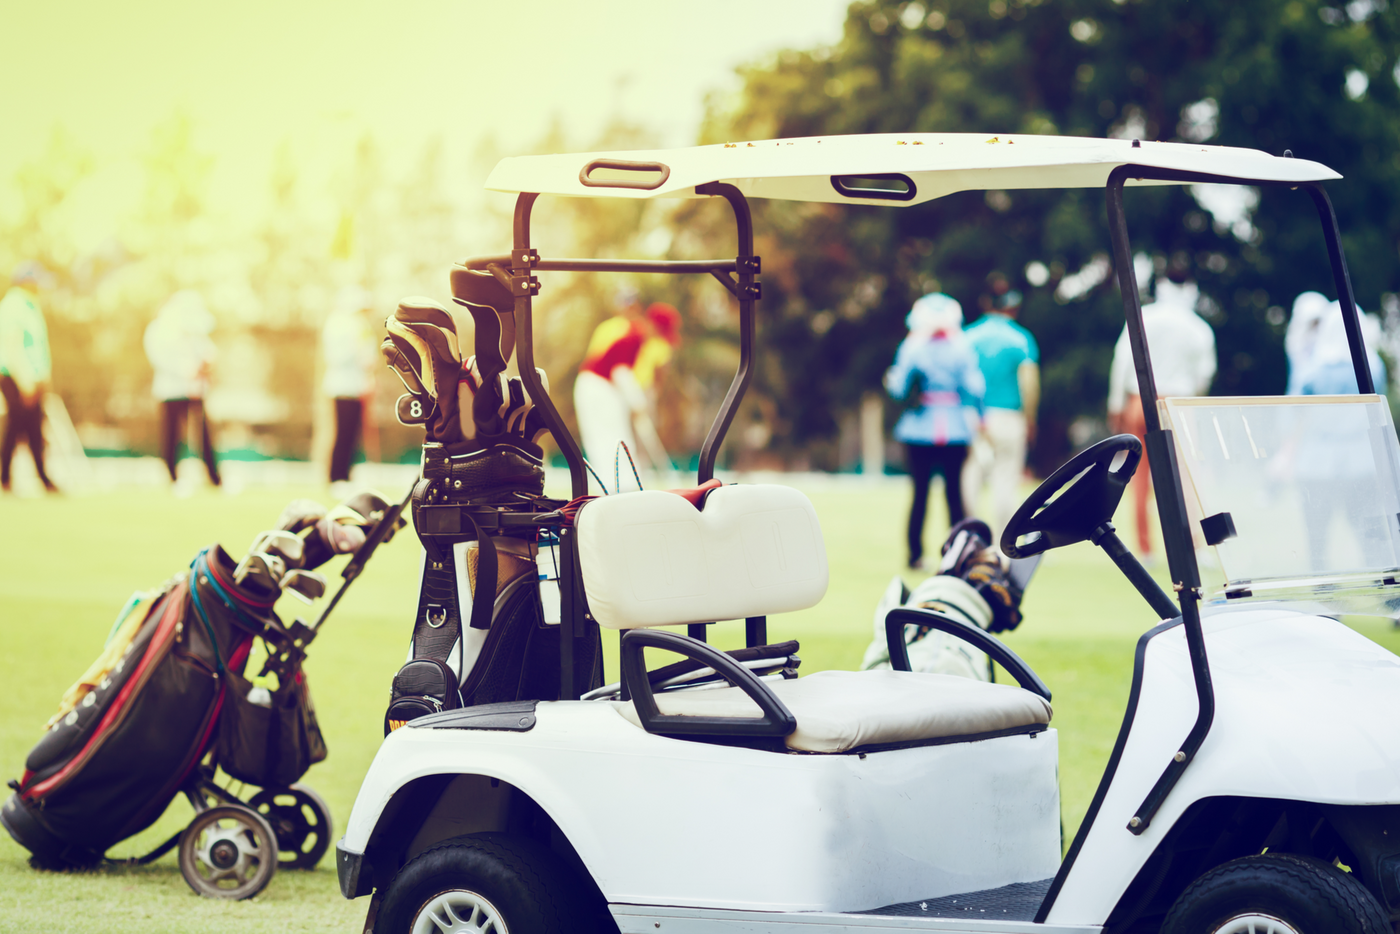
(69, 564)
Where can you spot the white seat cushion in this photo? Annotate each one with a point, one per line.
(839, 710)
(652, 559)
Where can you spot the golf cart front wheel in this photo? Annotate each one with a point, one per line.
(1276, 894)
(488, 882)
(228, 852)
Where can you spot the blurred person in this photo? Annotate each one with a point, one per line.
(1182, 347)
(1010, 363)
(25, 369)
(935, 375)
(351, 353)
(619, 369)
(182, 354)
(1329, 370)
(1301, 337)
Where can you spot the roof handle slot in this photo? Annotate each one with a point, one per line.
(645, 176)
(879, 186)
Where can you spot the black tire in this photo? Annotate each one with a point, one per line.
(529, 888)
(1305, 894)
(302, 821)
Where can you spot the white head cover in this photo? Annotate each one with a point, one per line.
(933, 313)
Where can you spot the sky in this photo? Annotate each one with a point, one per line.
(315, 76)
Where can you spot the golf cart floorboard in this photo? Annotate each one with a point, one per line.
(1015, 902)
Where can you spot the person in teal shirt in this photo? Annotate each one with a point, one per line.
(1010, 363)
(25, 370)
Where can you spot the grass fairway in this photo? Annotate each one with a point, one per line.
(69, 564)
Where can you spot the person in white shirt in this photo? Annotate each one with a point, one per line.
(1181, 346)
(1300, 341)
(182, 354)
(351, 353)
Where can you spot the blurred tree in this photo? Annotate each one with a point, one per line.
(1270, 74)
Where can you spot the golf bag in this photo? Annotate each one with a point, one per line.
(164, 692)
(481, 633)
(974, 584)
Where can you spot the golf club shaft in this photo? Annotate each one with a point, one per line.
(382, 529)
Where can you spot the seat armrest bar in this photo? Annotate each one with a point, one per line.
(903, 616)
(777, 720)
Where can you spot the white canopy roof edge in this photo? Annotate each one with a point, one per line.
(938, 164)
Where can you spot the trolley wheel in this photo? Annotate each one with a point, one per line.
(228, 852)
(300, 819)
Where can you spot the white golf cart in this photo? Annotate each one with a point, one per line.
(1254, 785)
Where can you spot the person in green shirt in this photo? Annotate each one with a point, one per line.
(25, 370)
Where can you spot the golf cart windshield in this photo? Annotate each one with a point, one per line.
(1309, 484)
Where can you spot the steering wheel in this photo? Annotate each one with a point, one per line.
(1074, 500)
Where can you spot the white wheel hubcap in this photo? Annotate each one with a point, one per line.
(1243, 924)
(461, 912)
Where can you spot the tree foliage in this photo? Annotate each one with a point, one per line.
(1267, 74)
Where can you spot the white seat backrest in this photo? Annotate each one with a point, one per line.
(650, 558)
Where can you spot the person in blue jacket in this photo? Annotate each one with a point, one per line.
(935, 374)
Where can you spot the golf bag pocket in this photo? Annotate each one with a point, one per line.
(269, 738)
(422, 686)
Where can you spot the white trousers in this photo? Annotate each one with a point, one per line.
(604, 419)
(997, 459)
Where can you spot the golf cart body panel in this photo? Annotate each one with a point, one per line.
(916, 167)
(663, 821)
(1279, 675)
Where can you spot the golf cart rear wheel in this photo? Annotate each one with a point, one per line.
(1276, 894)
(488, 882)
(300, 819)
(228, 852)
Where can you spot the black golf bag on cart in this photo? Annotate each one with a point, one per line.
(168, 700)
(480, 512)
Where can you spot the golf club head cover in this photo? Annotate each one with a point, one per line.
(422, 349)
(968, 554)
(342, 530)
(493, 311)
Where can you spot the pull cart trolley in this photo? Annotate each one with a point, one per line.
(1255, 782)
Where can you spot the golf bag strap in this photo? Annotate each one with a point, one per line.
(439, 624)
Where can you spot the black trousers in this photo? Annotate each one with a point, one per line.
(23, 419)
(924, 461)
(349, 416)
(173, 414)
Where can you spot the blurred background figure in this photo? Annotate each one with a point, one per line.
(182, 354)
(1329, 371)
(619, 369)
(25, 369)
(1183, 364)
(935, 375)
(1010, 363)
(1300, 340)
(351, 354)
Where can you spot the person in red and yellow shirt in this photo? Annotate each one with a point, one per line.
(618, 371)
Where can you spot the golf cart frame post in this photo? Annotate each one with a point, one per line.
(515, 272)
(1161, 448)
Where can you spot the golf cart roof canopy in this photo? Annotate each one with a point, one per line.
(890, 169)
